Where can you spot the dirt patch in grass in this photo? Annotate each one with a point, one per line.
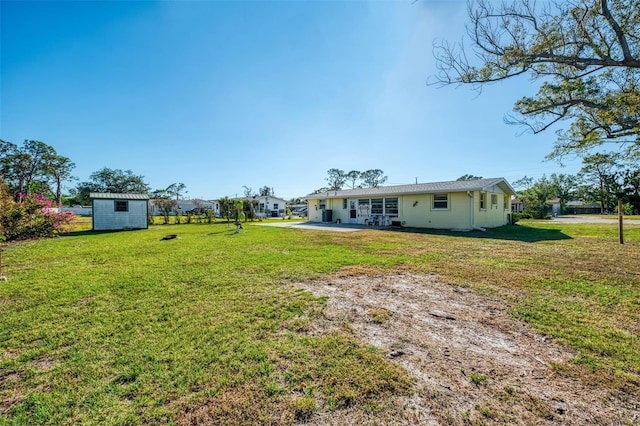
(472, 362)
(246, 404)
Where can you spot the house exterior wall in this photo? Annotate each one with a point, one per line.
(491, 215)
(418, 210)
(105, 216)
(268, 204)
(186, 205)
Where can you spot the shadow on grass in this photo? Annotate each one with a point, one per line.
(91, 232)
(508, 232)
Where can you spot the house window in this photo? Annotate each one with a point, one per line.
(441, 201)
(506, 202)
(391, 206)
(122, 206)
(494, 200)
(376, 206)
(344, 203)
(275, 206)
(323, 204)
(483, 200)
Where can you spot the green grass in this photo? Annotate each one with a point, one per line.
(122, 328)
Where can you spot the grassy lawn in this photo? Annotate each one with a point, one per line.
(122, 328)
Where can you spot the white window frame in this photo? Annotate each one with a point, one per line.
(434, 201)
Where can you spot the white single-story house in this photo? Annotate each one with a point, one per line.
(185, 206)
(77, 210)
(267, 205)
(119, 211)
(470, 204)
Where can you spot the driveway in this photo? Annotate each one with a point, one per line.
(593, 219)
(343, 227)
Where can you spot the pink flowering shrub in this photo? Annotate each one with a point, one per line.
(33, 216)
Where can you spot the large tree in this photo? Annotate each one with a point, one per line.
(110, 180)
(600, 172)
(176, 190)
(33, 166)
(585, 54)
(373, 178)
(536, 198)
(336, 179)
(266, 191)
(353, 177)
(59, 168)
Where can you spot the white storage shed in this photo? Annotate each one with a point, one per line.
(119, 211)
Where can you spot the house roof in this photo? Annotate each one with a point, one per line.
(420, 188)
(116, 196)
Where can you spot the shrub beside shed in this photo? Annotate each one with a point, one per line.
(119, 211)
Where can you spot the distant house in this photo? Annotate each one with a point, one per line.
(185, 206)
(77, 210)
(581, 207)
(556, 206)
(472, 204)
(517, 205)
(119, 211)
(267, 205)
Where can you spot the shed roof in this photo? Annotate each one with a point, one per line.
(116, 196)
(420, 188)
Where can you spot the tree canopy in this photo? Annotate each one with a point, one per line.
(33, 167)
(373, 178)
(337, 179)
(110, 180)
(584, 53)
(469, 177)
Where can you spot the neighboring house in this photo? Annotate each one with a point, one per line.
(186, 205)
(119, 211)
(517, 205)
(77, 210)
(556, 206)
(580, 207)
(268, 206)
(481, 203)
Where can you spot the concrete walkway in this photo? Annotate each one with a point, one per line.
(342, 227)
(350, 227)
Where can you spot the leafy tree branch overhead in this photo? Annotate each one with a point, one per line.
(585, 54)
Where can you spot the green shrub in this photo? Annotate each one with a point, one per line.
(32, 216)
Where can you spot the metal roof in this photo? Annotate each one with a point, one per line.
(116, 196)
(420, 188)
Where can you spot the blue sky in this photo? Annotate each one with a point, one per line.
(225, 94)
